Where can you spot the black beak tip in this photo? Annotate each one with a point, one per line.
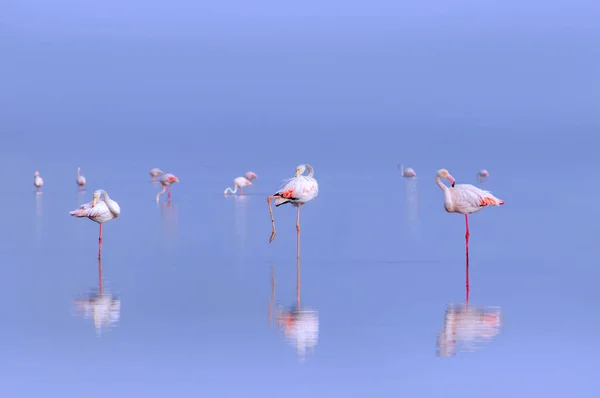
(452, 185)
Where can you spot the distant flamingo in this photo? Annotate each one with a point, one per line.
(298, 190)
(38, 182)
(482, 175)
(80, 179)
(238, 182)
(464, 199)
(99, 212)
(249, 175)
(166, 180)
(407, 172)
(155, 173)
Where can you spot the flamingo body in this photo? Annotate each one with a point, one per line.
(482, 175)
(249, 175)
(99, 211)
(80, 179)
(238, 182)
(38, 181)
(166, 180)
(408, 172)
(155, 173)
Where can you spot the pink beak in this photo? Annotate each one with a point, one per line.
(451, 179)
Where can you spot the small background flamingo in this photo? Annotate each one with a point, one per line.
(407, 172)
(464, 199)
(482, 175)
(238, 182)
(38, 182)
(80, 180)
(166, 180)
(154, 173)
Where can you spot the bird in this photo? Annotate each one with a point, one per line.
(166, 180)
(38, 182)
(297, 190)
(238, 182)
(464, 199)
(155, 173)
(249, 175)
(99, 211)
(482, 175)
(80, 179)
(407, 172)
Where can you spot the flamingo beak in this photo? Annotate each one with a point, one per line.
(451, 179)
(94, 201)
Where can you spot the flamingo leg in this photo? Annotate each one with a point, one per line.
(169, 193)
(273, 231)
(298, 258)
(160, 193)
(467, 251)
(100, 273)
(100, 242)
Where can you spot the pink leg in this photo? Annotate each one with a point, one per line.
(298, 259)
(100, 273)
(467, 252)
(169, 192)
(100, 242)
(241, 191)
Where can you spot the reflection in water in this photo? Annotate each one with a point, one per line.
(467, 328)
(101, 306)
(241, 208)
(170, 218)
(412, 207)
(300, 326)
(38, 217)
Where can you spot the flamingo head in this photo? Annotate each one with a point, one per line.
(173, 179)
(96, 197)
(443, 173)
(37, 173)
(300, 170)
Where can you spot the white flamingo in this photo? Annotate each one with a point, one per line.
(38, 182)
(166, 180)
(80, 179)
(464, 199)
(298, 190)
(407, 172)
(99, 211)
(238, 182)
(155, 173)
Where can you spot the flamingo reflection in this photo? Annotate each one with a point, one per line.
(101, 306)
(38, 217)
(168, 211)
(300, 326)
(467, 328)
(412, 204)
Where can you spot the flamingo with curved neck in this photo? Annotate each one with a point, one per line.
(80, 180)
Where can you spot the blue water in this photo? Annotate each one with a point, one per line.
(382, 263)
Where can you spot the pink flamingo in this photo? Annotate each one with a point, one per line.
(99, 212)
(166, 180)
(155, 173)
(241, 182)
(482, 175)
(407, 172)
(464, 199)
(38, 182)
(298, 190)
(80, 180)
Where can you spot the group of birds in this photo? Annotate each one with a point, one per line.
(409, 172)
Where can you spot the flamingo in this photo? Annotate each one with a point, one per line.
(249, 175)
(464, 199)
(38, 182)
(407, 172)
(155, 173)
(238, 182)
(482, 175)
(298, 190)
(80, 179)
(166, 180)
(98, 211)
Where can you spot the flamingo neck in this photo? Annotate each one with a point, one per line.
(311, 171)
(447, 197)
(106, 199)
(78, 174)
(231, 190)
(402, 169)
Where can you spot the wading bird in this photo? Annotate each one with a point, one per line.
(99, 211)
(166, 180)
(38, 182)
(407, 172)
(464, 199)
(297, 190)
(482, 175)
(238, 182)
(80, 179)
(155, 173)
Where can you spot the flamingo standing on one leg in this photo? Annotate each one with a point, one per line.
(482, 175)
(38, 182)
(297, 190)
(155, 173)
(166, 180)
(238, 182)
(464, 199)
(407, 172)
(99, 211)
(80, 179)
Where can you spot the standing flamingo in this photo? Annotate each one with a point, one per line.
(80, 179)
(464, 199)
(238, 182)
(482, 175)
(155, 173)
(297, 190)
(249, 175)
(99, 211)
(166, 180)
(407, 172)
(38, 182)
